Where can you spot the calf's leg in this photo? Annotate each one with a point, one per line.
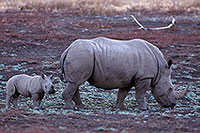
(10, 93)
(14, 100)
(36, 100)
(8, 101)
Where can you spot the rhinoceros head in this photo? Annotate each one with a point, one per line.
(47, 84)
(163, 91)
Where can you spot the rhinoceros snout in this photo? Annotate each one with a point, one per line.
(52, 91)
(172, 105)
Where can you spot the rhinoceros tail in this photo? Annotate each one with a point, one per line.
(11, 87)
(62, 60)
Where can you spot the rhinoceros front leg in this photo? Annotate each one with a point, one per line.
(68, 95)
(141, 88)
(122, 93)
(36, 100)
(77, 99)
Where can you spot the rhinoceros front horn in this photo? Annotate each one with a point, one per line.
(181, 94)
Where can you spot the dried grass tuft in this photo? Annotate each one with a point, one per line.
(99, 7)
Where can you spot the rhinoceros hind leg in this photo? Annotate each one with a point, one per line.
(68, 95)
(8, 101)
(141, 88)
(14, 100)
(11, 92)
(121, 96)
(77, 99)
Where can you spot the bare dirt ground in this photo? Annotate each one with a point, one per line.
(32, 41)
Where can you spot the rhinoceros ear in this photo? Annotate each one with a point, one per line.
(51, 76)
(42, 75)
(170, 90)
(169, 63)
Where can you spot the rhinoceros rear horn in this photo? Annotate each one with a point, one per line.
(181, 94)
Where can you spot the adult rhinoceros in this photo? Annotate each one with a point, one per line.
(109, 64)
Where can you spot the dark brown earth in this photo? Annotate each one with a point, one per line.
(32, 41)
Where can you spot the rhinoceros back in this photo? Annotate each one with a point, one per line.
(108, 63)
(120, 64)
(25, 84)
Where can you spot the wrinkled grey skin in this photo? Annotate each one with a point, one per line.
(28, 86)
(110, 64)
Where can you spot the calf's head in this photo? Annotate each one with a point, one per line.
(163, 91)
(47, 85)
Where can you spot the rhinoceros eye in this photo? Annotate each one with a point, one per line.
(170, 90)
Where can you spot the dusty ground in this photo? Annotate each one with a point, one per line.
(31, 42)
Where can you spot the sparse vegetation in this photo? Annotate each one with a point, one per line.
(83, 6)
(32, 41)
(98, 7)
(166, 5)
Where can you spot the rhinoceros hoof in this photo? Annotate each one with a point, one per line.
(7, 108)
(36, 108)
(121, 107)
(143, 108)
(80, 106)
(69, 107)
(16, 107)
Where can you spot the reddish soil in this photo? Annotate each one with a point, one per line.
(32, 41)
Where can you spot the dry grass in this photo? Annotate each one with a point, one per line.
(98, 7)
(86, 6)
(166, 5)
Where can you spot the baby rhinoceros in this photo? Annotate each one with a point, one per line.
(28, 86)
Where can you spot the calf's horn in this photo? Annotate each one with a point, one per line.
(181, 94)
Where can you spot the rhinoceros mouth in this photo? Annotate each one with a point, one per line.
(172, 105)
(52, 91)
(164, 105)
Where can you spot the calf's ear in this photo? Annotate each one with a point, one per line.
(51, 76)
(170, 63)
(42, 75)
